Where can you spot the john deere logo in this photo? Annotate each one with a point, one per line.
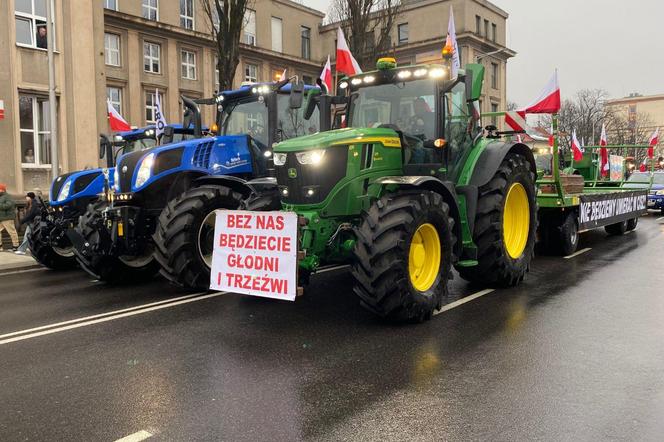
(292, 173)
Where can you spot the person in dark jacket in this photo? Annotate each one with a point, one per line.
(31, 212)
(7, 215)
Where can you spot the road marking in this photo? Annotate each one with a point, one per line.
(462, 301)
(136, 437)
(16, 272)
(629, 231)
(332, 268)
(26, 334)
(660, 218)
(587, 249)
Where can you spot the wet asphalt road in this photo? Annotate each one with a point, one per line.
(575, 353)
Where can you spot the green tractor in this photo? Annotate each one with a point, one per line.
(410, 188)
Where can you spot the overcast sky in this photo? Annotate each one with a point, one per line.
(615, 45)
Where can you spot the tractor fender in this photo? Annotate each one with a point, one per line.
(493, 155)
(444, 188)
(237, 184)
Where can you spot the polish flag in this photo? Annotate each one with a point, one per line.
(549, 100)
(577, 148)
(644, 166)
(282, 77)
(346, 63)
(654, 139)
(326, 76)
(603, 153)
(451, 43)
(115, 120)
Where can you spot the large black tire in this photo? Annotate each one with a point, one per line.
(181, 229)
(616, 229)
(495, 266)
(382, 255)
(632, 223)
(42, 249)
(110, 269)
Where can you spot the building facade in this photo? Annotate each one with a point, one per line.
(127, 51)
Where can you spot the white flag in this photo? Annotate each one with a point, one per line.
(160, 120)
(452, 41)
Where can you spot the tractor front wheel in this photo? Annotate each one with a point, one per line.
(184, 236)
(403, 255)
(505, 225)
(43, 249)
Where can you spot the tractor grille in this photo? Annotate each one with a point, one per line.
(202, 154)
(126, 168)
(82, 182)
(311, 184)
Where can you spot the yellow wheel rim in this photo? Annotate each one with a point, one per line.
(424, 257)
(516, 220)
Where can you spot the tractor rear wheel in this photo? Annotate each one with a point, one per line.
(403, 255)
(56, 257)
(185, 234)
(616, 229)
(111, 269)
(631, 224)
(505, 225)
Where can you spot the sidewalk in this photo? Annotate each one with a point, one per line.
(9, 261)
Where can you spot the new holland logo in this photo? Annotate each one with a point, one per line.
(124, 169)
(292, 173)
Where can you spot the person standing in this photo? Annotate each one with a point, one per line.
(31, 212)
(7, 215)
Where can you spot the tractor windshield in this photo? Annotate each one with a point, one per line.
(139, 144)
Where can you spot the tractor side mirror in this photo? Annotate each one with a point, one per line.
(296, 95)
(104, 145)
(167, 136)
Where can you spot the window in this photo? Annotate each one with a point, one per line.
(277, 43)
(151, 57)
(369, 41)
(250, 27)
(34, 116)
(187, 14)
(111, 4)
(250, 72)
(493, 32)
(402, 33)
(112, 49)
(478, 25)
(494, 109)
(308, 79)
(30, 20)
(188, 67)
(151, 9)
(216, 74)
(151, 106)
(305, 36)
(114, 96)
(486, 28)
(494, 75)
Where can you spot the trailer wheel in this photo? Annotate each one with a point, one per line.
(110, 269)
(185, 234)
(631, 224)
(505, 226)
(45, 252)
(403, 255)
(569, 234)
(616, 229)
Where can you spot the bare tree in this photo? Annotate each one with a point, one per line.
(368, 26)
(226, 18)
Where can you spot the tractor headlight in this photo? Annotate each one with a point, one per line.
(279, 158)
(314, 157)
(144, 170)
(660, 192)
(116, 179)
(64, 192)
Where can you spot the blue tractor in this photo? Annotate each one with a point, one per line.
(71, 193)
(160, 214)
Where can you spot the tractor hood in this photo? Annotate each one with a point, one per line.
(339, 137)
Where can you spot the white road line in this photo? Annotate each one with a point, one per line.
(462, 301)
(587, 249)
(99, 315)
(136, 437)
(629, 231)
(16, 272)
(333, 268)
(108, 318)
(660, 218)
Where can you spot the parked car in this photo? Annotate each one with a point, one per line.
(656, 192)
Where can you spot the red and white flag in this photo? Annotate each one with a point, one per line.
(654, 140)
(603, 153)
(346, 63)
(282, 77)
(326, 76)
(115, 120)
(577, 148)
(549, 100)
(451, 42)
(644, 165)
